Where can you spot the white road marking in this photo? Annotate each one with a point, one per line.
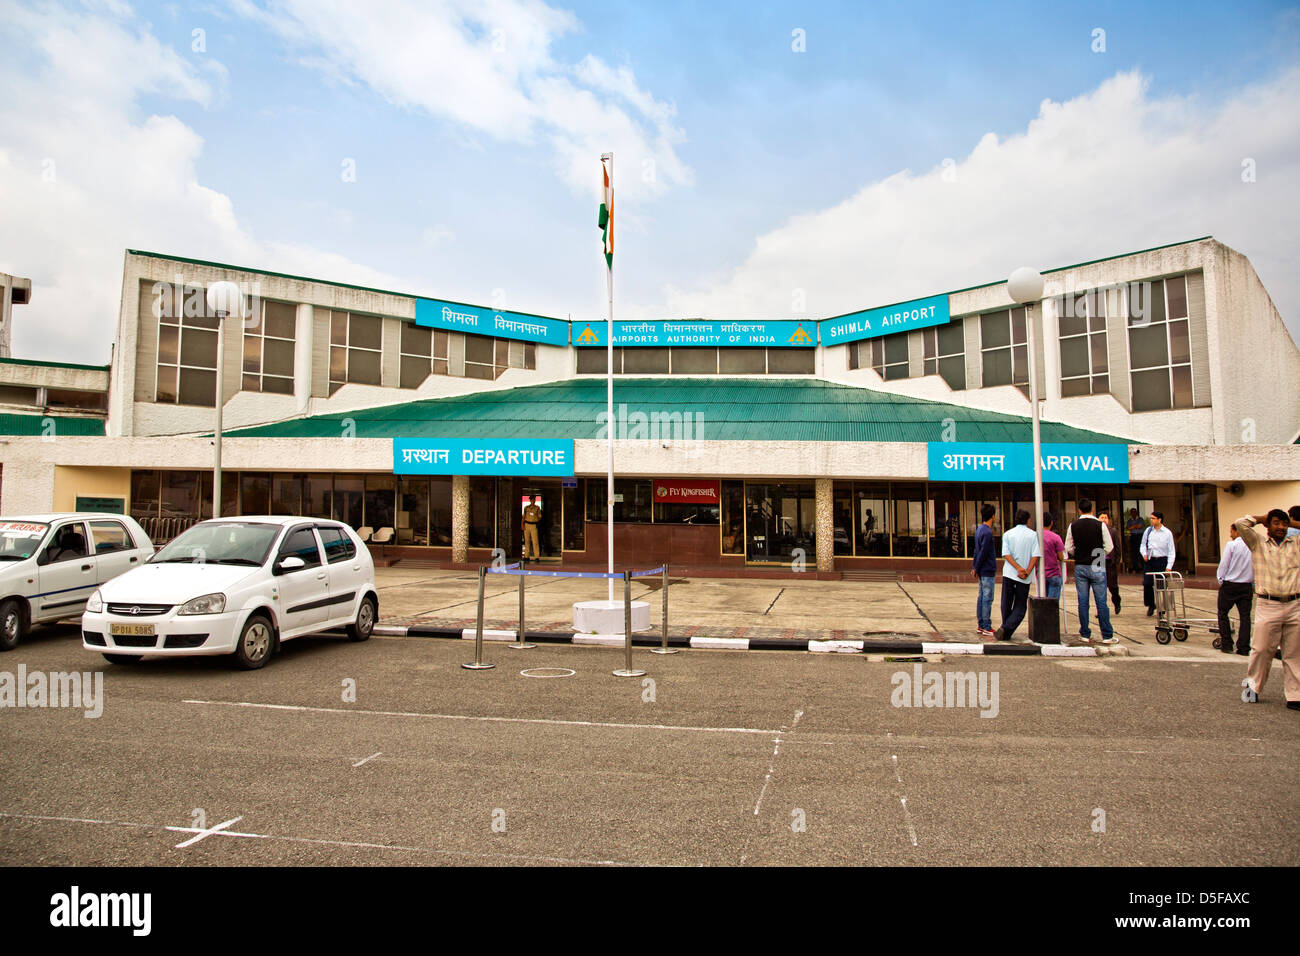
(312, 840)
(377, 753)
(496, 720)
(772, 765)
(200, 834)
(776, 749)
(907, 816)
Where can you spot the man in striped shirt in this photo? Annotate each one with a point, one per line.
(1276, 560)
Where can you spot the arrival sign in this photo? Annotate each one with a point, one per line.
(994, 461)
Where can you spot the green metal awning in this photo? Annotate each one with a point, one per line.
(768, 409)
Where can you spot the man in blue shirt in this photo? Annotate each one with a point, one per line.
(1236, 589)
(1157, 555)
(1022, 552)
(985, 569)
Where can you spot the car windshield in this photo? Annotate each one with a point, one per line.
(221, 542)
(20, 539)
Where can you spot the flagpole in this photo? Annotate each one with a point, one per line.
(609, 397)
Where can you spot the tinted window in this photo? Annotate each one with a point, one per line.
(338, 546)
(301, 544)
(110, 536)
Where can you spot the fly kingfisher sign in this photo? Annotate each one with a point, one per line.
(886, 320)
(782, 333)
(995, 461)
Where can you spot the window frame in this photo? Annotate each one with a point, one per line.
(1090, 298)
(1170, 366)
(1010, 347)
(348, 348)
(258, 331)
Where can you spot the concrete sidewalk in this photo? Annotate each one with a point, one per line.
(731, 607)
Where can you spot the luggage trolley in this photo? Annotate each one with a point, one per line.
(1171, 610)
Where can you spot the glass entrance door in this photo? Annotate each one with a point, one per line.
(779, 518)
(546, 495)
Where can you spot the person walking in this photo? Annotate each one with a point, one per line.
(1112, 559)
(1022, 553)
(1276, 564)
(985, 569)
(1157, 555)
(1134, 528)
(1236, 576)
(1053, 553)
(1089, 541)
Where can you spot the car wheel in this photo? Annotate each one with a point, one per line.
(361, 629)
(13, 624)
(255, 643)
(122, 658)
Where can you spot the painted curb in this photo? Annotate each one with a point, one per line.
(953, 648)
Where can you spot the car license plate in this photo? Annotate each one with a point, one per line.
(137, 630)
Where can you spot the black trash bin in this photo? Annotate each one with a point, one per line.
(1044, 620)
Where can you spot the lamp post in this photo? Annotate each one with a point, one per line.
(1025, 286)
(224, 299)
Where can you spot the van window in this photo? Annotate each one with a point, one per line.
(110, 536)
(68, 542)
(338, 545)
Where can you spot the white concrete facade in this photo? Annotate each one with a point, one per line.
(1238, 339)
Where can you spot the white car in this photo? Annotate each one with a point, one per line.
(236, 586)
(50, 564)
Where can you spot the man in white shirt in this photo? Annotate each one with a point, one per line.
(1157, 555)
(1236, 589)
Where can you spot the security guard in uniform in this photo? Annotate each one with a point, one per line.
(532, 517)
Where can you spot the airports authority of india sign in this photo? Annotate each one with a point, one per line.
(886, 320)
(997, 461)
(740, 333)
(535, 457)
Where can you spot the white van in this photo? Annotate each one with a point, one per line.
(50, 564)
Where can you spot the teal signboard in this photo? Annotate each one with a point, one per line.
(993, 461)
(522, 457)
(870, 323)
(458, 317)
(782, 333)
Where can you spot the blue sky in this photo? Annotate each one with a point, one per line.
(761, 154)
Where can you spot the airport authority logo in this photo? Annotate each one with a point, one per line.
(799, 336)
(587, 337)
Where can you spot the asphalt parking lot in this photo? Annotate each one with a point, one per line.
(726, 758)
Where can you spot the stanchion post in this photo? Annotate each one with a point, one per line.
(477, 664)
(628, 670)
(521, 642)
(663, 647)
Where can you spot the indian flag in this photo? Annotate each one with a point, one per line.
(606, 219)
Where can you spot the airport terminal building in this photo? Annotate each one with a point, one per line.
(847, 444)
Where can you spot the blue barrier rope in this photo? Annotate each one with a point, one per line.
(514, 569)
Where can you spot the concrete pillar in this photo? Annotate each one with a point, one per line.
(460, 518)
(825, 524)
(303, 351)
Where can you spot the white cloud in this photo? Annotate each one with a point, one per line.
(1111, 171)
(83, 176)
(486, 65)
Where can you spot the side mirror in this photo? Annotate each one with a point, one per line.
(290, 564)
